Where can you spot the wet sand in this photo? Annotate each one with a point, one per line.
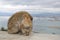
(34, 36)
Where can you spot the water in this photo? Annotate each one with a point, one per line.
(4, 21)
(45, 26)
(41, 26)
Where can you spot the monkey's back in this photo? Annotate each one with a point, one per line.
(15, 21)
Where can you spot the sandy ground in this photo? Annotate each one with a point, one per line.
(34, 36)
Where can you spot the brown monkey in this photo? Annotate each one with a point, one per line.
(20, 22)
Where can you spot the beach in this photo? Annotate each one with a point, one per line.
(34, 36)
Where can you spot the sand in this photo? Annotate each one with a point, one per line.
(34, 36)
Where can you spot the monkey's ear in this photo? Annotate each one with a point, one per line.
(31, 18)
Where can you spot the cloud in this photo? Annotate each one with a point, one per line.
(14, 8)
(43, 3)
(9, 8)
(30, 5)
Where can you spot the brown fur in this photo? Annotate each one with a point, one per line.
(20, 22)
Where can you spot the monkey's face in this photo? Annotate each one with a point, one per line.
(26, 31)
(27, 26)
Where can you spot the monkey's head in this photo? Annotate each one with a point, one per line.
(26, 25)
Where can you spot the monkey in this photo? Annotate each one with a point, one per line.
(20, 22)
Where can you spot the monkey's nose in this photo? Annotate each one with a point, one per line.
(27, 34)
(27, 27)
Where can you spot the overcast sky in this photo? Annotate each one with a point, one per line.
(30, 5)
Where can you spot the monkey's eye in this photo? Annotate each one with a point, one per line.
(26, 27)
